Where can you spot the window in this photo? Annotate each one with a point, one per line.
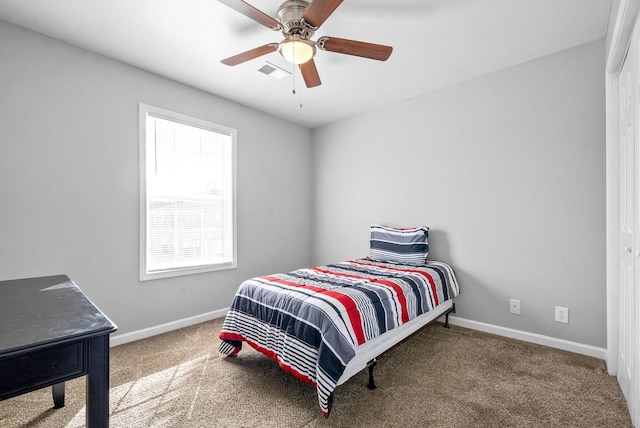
(187, 195)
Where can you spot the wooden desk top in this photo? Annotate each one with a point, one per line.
(36, 312)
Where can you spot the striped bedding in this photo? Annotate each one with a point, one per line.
(312, 320)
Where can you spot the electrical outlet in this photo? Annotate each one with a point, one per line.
(514, 306)
(562, 314)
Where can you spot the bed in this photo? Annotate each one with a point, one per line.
(324, 324)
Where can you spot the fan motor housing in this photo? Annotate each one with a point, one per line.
(290, 13)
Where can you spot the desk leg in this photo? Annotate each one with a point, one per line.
(98, 382)
(58, 395)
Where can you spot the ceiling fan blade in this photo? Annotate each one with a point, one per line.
(310, 74)
(250, 54)
(253, 13)
(353, 47)
(319, 10)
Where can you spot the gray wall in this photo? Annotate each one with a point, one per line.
(508, 170)
(69, 181)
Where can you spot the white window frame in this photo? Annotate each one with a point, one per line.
(145, 109)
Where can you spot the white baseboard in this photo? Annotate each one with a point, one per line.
(120, 339)
(579, 348)
(538, 339)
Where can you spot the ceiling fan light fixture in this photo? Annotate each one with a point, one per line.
(298, 20)
(297, 51)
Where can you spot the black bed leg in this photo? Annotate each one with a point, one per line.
(446, 316)
(371, 364)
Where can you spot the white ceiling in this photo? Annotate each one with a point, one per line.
(436, 43)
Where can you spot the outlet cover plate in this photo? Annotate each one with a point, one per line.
(562, 314)
(514, 306)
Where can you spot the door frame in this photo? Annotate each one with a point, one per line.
(620, 38)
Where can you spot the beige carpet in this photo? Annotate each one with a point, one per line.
(438, 378)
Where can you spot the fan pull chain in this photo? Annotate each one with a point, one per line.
(300, 99)
(293, 73)
(293, 89)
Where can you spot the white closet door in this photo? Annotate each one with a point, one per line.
(629, 252)
(633, 302)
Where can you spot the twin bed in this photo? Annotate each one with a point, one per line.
(326, 323)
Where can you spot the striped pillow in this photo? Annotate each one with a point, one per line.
(408, 246)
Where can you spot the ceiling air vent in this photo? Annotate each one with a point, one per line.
(273, 70)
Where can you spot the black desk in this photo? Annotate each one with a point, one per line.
(50, 333)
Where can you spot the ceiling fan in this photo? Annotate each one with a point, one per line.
(298, 21)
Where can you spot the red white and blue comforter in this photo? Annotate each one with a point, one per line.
(312, 320)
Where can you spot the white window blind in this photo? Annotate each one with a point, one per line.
(189, 223)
